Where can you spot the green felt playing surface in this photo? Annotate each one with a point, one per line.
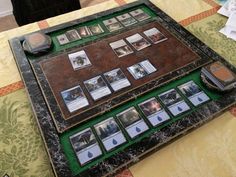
(65, 142)
(58, 48)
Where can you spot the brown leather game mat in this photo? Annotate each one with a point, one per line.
(166, 56)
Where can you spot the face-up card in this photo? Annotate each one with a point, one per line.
(97, 87)
(121, 48)
(112, 24)
(110, 134)
(79, 60)
(126, 19)
(152, 109)
(73, 35)
(62, 39)
(74, 98)
(141, 69)
(84, 31)
(132, 122)
(96, 29)
(140, 15)
(117, 79)
(85, 146)
(174, 102)
(138, 42)
(193, 93)
(155, 35)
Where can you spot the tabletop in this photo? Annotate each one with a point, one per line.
(209, 151)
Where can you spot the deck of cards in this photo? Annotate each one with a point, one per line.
(132, 122)
(117, 79)
(79, 60)
(174, 102)
(109, 133)
(152, 109)
(141, 69)
(97, 87)
(74, 98)
(85, 146)
(193, 92)
(120, 48)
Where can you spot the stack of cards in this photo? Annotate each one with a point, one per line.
(195, 95)
(132, 122)
(174, 102)
(220, 75)
(97, 87)
(121, 48)
(141, 69)
(155, 35)
(138, 42)
(117, 79)
(74, 98)
(85, 146)
(152, 109)
(79, 60)
(140, 15)
(126, 19)
(110, 134)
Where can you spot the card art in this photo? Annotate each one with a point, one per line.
(154, 112)
(174, 102)
(74, 98)
(97, 87)
(109, 133)
(85, 146)
(117, 79)
(79, 60)
(193, 92)
(138, 42)
(155, 35)
(121, 48)
(132, 122)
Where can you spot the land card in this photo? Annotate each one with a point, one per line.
(84, 31)
(62, 39)
(74, 98)
(72, 35)
(85, 146)
(140, 15)
(109, 133)
(174, 102)
(97, 87)
(132, 122)
(155, 35)
(126, 19)
(96, 29)
(154, 112)
(121, 48)
(138, 42)
(193, 92)
(79, 60)
(117, 79)
(141, 69)
(112, 24)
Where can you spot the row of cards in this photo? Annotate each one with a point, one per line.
(112, 24)
(98, 88)
(138, 42)
(110, 134)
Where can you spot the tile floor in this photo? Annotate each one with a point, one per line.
(8, 22)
